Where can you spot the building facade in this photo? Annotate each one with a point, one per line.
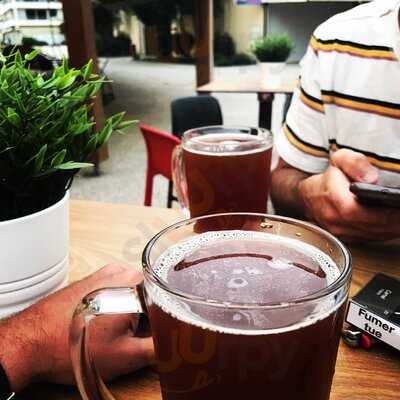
(244, 22)
(38, 19)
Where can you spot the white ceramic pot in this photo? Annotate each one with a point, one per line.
(271, 72)
(33, 256)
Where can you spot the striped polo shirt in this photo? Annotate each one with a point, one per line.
(349, 93)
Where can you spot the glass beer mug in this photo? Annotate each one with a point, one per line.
(252, 311)
(221, 169)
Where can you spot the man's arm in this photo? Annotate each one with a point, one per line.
(326, 199)
(20, 353)
(34, 344)
(285, 190)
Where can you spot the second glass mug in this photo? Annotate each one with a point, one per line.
(198, 358)
(221, 169)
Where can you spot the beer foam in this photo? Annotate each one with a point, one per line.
(226, 144)
(183, 311)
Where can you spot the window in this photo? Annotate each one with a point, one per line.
(41, 14)
(53, 13)
(36, 14)
(30, 14)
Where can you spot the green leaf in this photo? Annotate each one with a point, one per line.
(127, 124)
(46, 126)
(39, 80)
(32, 55)
(116, 119)
(18, 58)
(82, 128)
(96, 87)
(66, 81)
(6, 149)
(105, 134)
(87, 70)
(59, 158)
(73, 165)
(83, 92)
(65, 65)
(40, 158)
(13, 117)
(92, 144)
(4, 85)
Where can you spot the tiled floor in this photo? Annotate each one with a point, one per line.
(145, 90)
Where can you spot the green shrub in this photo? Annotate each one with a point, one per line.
(273, 48)
(221, 61)
(243, 59)
(47, 132)
(224, 45)
(237, 60)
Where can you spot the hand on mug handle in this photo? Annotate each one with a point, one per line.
(99, 303)
(178, 176)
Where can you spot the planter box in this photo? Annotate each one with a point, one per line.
(271, 72)
(34, 256)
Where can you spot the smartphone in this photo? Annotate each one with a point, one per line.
(375, 195)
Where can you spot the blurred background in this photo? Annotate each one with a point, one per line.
(154, 51)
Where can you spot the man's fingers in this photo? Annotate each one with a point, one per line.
(142, 352)
(111, 276)
(346, 218)
(110, 269)
(125, 355)
(355, 165)
(350, 210)
(333, 206)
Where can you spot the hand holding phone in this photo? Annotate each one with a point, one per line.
(375, 195)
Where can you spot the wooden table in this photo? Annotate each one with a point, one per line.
(103, 233)
(265, 93)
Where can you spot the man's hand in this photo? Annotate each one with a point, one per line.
(329, 202)
(35, 345)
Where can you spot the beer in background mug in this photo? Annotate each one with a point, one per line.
(223, 169)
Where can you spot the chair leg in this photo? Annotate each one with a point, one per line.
(170, 194)
(149, 189)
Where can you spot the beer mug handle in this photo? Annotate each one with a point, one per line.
(95, 304)
(178, 176)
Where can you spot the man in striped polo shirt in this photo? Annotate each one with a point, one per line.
(344, 125)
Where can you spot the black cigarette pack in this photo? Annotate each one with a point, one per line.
(376, 309)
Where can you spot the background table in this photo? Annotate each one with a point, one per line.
(103, 233)
(265, 93)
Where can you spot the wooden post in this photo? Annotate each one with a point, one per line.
(81, 39)
(204, 24)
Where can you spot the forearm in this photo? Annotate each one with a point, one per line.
(285, 192)
(20, 351)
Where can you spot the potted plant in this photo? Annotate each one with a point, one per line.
(46, 136)
(272, 51)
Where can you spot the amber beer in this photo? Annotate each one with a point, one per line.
(225, 170)
(213, 353)
(249, 312)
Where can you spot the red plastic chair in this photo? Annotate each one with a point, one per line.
(160, 146)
